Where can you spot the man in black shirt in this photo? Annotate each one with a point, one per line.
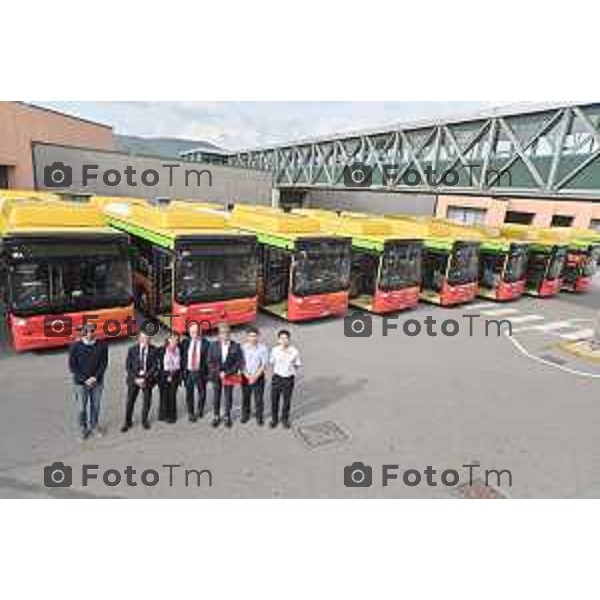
(88, 359)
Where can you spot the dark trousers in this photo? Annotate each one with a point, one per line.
(168, 401)
(132, 393)
(195, 381)
(257, 389)
(226, 390)
(281, 386)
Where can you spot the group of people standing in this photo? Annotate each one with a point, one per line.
(197, 364)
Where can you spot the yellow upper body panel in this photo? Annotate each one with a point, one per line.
(171, 218)
(431, 227)
(272, 220)
(356, 225)
(18, 214)
(555, 236)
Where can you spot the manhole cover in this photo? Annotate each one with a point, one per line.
(554, 359)
(322, 434)
(480, 491)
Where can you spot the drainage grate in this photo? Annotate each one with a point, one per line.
(480, 491)
(322, 434)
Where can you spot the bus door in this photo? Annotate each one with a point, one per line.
(364, 274)
(163, 281)
(275, 277)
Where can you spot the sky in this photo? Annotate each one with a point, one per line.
(241, 125)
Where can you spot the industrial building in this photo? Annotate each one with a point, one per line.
(529, 165)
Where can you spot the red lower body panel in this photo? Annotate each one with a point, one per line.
(549, 288)
(384, 302)
(209, 314)
(317, 306)
(458, 294)
(582, 284)
(510, 291)
(52, 331)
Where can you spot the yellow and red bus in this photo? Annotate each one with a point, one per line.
(385, 274)
(450, 267)
(581, 264)
(547, 253)
(61, 265)
(304, 272)
(188, 263)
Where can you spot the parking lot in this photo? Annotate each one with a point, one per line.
(522, 405)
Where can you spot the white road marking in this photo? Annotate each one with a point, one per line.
(582, 334)
(548, 363)
(481, 305)
(547, 327)
(526, 319)
(500, 312)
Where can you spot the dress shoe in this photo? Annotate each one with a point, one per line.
(272, 424)
(146, 425)
(192, 418)
(216, 422)
(228, 422)
(244, 419)
(286, 424)
(260, 421)
(125, 428)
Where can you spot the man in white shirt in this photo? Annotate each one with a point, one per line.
(285, 361)
(256, 359)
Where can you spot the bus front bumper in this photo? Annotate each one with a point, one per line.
(317, 306)
(549, 288)
(458, 294)
(510, 291)
(209, 314)
(53, 331)
(385, 302)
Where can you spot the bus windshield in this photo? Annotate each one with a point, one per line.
(463, 264)
(556, 264)
(68, 278)
(321, 267)
(400, 266)
(516, 265)
(216, 273)
(590, 265)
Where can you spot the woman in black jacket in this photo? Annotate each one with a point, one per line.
(169, 379)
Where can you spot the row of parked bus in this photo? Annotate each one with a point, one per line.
(62, 258)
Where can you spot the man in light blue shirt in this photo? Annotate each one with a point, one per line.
(256, 359)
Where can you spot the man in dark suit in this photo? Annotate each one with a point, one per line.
(142, 366)
(226, 363)
(194, 362)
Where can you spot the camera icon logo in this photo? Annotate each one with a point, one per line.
(55, 327)
(358, 475)
(58, 475)
(358, 175)
(58, 175)
(358, 325)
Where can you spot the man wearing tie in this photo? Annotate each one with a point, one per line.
(226, 364)
(142, 369)
(194, 356)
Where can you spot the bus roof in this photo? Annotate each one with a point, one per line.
(434, 232)
(47, 213)
(164, 224)
(367, 231)
(555, 236)
(276, 227)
